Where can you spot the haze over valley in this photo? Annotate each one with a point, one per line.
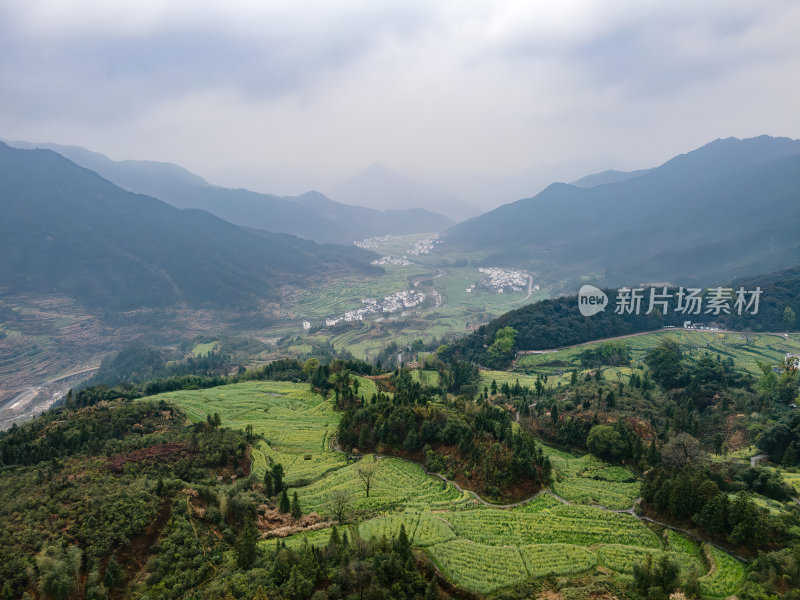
(399, 301)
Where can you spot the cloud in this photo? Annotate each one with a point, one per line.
(284, 95)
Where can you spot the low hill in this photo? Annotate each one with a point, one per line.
(719, 212)
(311, 215)
(66, 230)
(557, 322)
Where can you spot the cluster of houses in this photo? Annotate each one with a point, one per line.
(390, 304)
(373, 242)
(424, 246)
(500, 280)
(391, 260)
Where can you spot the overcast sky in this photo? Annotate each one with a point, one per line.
(287, 96)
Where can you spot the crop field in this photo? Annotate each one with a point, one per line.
(397, 484)
(205, 349)
(429, 378)
(578, 525)
(295, 422)
(508, 377)
(588, 480)
(761, 347)
(481, 549)
(724, 577)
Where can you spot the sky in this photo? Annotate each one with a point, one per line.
(286, 96)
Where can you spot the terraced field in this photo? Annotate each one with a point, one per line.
(295, 423)
(397, 484)
(486, 549)
(588, 480)
(761, 347)
(480, 548)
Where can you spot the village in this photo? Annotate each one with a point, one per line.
(424, 246)
(391, 260)
(390, 304)
(500, 280)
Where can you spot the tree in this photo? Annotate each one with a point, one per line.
(58, 570)
(113, 573)
(366, 473)
(269, 486)
(284, 505)
(605, 441)
(432, 591)
(246, 548)
(664, 362)
(789, 317)
(277, 477)
(311, 365)
(340, 503)
(682, 450)
(295, 508)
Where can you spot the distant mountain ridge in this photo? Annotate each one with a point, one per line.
(610, 176)
(729, 208)
(379, 187)
(311, 215)
(66, 230)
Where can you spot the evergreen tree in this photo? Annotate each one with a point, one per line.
(269, 487)
(284, 506)
(295, 508)
(277, 477)
(246, 548)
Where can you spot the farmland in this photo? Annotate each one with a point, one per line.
(295, 423)
(588, 480)
(480, 548)
(745, 352)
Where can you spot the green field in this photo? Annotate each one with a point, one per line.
(588, 480)
(296, 424)
(761, 347)
(480, 548)
(204, 349)
(428, 378)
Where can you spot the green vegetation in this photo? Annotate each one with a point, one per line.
(296, 424)
(746, 350)
(588, 480)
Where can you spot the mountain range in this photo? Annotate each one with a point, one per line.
(311, 215)
(66, 230)
(379, 187)
(728, 209)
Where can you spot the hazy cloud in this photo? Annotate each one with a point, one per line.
(285, 96)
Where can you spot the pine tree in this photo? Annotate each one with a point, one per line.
(432, 591)
(284, 506)
(295, 508)
(269, 488)
(277, 477)
(160, 487)
(246, 543)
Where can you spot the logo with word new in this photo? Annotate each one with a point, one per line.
(591, 300)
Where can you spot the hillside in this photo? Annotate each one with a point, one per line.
(557, 322)
(719, 212)
(68, 231)
(311, 215)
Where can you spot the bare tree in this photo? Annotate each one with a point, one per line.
(340, 503)
(366, 473)
(683, 450)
